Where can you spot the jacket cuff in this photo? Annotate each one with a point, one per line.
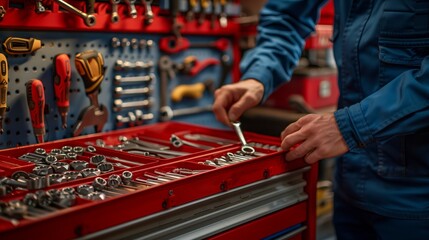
(353, 126)
(262, 75)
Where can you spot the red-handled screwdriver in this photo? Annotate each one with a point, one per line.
(36, 104)
(62, 76)
(3, 88)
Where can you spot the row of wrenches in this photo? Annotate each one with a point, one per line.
(89, 18)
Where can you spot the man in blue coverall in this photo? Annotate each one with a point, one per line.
(380, 132)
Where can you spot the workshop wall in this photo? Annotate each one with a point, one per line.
(130, 48)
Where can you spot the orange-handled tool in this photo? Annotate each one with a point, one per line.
(62, 76)
(3, 88)
(90, 65)
(194, 91)
(36, 104)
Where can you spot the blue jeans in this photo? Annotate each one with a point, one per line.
(354, 223)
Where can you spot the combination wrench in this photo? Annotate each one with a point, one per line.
(115, 16)
(89, 19)
(119, 91)
(178, 142)
(148, 15)
(135, 79)
(131, 8)
(119, 104)
(245, 148)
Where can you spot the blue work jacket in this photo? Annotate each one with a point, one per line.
(381, 49)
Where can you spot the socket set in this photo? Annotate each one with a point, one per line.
(143, 172)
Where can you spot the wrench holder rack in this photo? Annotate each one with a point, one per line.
(63, 32)
(244, 191)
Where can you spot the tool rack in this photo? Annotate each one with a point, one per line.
(250, 198)
(63, 32)
(217, 194)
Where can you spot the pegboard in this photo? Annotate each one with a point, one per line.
(39, 65)
(63, 32)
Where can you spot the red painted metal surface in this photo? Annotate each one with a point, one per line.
(87, 217)
(317, 86)
(266, 226)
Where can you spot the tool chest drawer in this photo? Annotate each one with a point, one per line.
(117, 185)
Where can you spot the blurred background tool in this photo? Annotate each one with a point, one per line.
(4, 79)
(36, 104)
(90, 66)
(194, 91)
(62, 76)
(15, 45)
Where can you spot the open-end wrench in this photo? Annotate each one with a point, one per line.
(178, 142)
(132, 146)
(167, 113)
(115, 16)
(131, 8)
(135, 79)
(88, 19)
(148, 14)
(208, 138)
(245, 148)
(120, 105)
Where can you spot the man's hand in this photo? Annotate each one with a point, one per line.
(233, 99)
(314, 137)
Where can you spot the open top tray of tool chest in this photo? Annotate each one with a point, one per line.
(161, 192)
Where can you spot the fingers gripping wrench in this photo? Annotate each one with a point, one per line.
(89, 19)
(90, 65)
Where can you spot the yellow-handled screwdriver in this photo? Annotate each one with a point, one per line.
(3, 88)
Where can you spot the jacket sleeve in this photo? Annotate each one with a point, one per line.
(283, 27)
(401, 107)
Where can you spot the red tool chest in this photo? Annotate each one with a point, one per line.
(246, 197)
(317, 86)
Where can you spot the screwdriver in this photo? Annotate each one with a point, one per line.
(3, 88)
(62, 75)
(36, 104)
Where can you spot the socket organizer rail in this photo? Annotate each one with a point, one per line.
(139, 183)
